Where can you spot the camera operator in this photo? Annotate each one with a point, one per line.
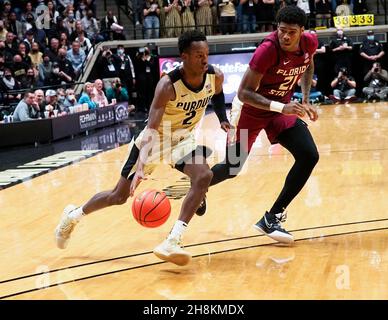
(110, 64)
(378, 79)
(344, 87)
(117, 93)
(146, 75)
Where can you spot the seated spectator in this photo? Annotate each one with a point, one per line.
(117, 92)
(64, 41)
(30, 81)
(90, 26)
(65, 65)
(315, 95)
(52, 51)
(35, 55)
(25, 109)
(3, 30)
(378, 80)
(57, 77)
(85, 43)
(69, 22)
(52, 106)
(45, 69)
(344, 87)
(22, 52)
(40, 103)
(61, 94)
(15, 26)
(87, 96)
(70, 100)
(9, 83)
(77, 57)
(98, 94)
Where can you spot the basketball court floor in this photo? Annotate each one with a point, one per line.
(339, 221)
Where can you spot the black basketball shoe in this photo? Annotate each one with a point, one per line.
(202, 208)
(270, 225)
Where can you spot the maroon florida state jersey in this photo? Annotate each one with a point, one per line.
(281, 69)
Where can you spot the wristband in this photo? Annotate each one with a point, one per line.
(276, 106)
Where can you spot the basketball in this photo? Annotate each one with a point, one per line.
(151, 208)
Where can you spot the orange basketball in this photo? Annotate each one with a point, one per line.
(151, 208)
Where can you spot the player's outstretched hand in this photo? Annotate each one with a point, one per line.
(311, 111)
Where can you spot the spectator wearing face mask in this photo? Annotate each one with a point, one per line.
(8, 83)
(30, 81)
(126, 69)
(342, 48)
(70, 100)
(377, 80)
(69, 22)
(371, 50)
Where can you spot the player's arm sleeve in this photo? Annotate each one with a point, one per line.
(218, 101)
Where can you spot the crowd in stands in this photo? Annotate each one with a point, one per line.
(50, 53)
(169, 18)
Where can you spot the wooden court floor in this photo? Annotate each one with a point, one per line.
(339, 220)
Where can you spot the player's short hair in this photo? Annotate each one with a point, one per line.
(292, 15)
(187, 38)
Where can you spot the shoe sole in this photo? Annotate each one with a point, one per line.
(176, 258)
(62, 243)
(279, 237)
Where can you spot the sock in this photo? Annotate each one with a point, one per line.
(178, 229)
(77, 214)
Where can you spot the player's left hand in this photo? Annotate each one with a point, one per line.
(226, 126)
(311, 111)
(138, 177)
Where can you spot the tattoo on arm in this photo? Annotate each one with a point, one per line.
(306, 81)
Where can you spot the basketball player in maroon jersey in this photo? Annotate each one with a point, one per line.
(264, 102)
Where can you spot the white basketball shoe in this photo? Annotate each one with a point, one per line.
(171, 250)
(65, 227)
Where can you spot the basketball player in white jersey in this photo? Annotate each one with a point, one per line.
(180, 100)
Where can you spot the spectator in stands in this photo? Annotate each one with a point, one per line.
(25, 110)
(5, 53)
(117, 92)
(227, 9)
(82, 10)
(126, 69)
(77, 57)
(344, 87)
(342, 48)
(203, 16)
(7, 9)
(60, 28)
(85, 43)
(3, 31)
(323, 13)
(371, 50)
(69, 22)
(2, 65)
(35, 55)
(28, 14)
(53, 13)
(63, 4)
(11, 44)
(19, 68)
(52, 51)
(78, 28)
(70, 100)
(65, 65)
(24, 54)
(9, 83)
(173, 23)
(40, 104)
(87, 96)
(110, 27)
(90, 26)
(343, 8)
(248, 9)
(57, 77)
(15, 26)
(377, 79)
(151, 22)
(98, 94)
(61, 94)
(52, 102)
(45, 69)
(30, 81)
(63, 41)
(29, 40)
(187, 14)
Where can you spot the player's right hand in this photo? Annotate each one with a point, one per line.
(138, 177)
(294, 107)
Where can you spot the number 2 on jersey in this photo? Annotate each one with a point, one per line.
(190, 115)
(288, 83)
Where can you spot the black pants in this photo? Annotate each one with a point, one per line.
(299, 142)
